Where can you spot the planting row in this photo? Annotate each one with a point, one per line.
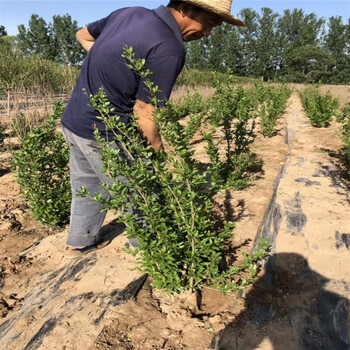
(321, 109)
(182, 243)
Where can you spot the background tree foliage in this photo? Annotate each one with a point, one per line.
(37, 39)
(294, 46)
(54, 41)
(337, 45)
(2, 31)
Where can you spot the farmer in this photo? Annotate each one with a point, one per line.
(156, 35)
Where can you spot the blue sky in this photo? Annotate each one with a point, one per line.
(15, 12)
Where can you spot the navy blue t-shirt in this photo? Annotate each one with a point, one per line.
(154, 35)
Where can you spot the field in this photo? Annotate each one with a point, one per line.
(299, 200)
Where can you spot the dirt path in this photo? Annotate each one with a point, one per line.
(300, 301)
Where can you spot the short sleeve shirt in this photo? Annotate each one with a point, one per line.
(155, 36)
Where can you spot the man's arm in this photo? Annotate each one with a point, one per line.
(147, 127)
(85, 38)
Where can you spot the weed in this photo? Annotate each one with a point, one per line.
(21, 126)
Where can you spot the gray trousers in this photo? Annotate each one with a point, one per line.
(85, 165)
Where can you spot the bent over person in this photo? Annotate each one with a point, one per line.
(155, 35)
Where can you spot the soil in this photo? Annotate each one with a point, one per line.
(99, 303)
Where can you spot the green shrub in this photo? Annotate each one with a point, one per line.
(180, 244)
(41, 168)
(319, 108)
(230, 110)
(344, 113)
(271, 103)
(345, 136)
(191, 106)
(192, 103)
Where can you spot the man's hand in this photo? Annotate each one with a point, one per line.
(85, 38)
(147, 127)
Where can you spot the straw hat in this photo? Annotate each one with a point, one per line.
(219, 7)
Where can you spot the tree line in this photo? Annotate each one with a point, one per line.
(293, 46)
(54, 41)
(33, 64)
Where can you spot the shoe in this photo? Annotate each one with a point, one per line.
(134, 242)
(72, 252)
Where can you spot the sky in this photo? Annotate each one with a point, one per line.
(16, 12)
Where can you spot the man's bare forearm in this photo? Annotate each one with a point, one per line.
(147, 127)
(85, 38)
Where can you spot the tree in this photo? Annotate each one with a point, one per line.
(2, 31)
(297, 30)
(248, 36)
(294, 46)
(54, 41)
(266, 62)
(70, 52)
(37, 39)
(233, 54)
(311, 64)
(216, 49)
(197, 54)
(337, 44)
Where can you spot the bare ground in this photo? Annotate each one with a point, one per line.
(152, 320)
